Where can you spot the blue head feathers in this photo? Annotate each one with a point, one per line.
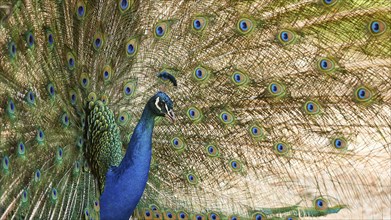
(164, 75)
(161, 105)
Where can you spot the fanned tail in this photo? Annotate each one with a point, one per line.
(283, 106)
(283, 111)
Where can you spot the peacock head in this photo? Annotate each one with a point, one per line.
(161, 105)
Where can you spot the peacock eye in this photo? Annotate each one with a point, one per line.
(245, 25)
(377, 27)
(161, 104)
(320, 203)
(286, 37)
(329, 2)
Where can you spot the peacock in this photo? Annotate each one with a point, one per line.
(235, 110)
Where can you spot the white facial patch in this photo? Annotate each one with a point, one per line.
(165, 105)
(157, 103)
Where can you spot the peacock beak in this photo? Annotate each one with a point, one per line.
(171, 116)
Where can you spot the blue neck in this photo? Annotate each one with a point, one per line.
(140, 144)
(125, 184)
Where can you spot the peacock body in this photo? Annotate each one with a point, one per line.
(282, 109)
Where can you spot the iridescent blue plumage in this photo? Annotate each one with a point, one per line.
(125, 184)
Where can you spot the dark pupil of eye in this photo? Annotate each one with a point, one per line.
(244, 25)
(324, 64)
(274, 88)
(237, 77)
(81, 10)
(285, 36)
(31, 39)
(362, 93)
(159, 30)
(124, 3)
(197, 23)
(376, 26)
(199, 73)
(130, 48)
(97, 42)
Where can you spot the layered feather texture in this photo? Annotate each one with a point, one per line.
(283, 107)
